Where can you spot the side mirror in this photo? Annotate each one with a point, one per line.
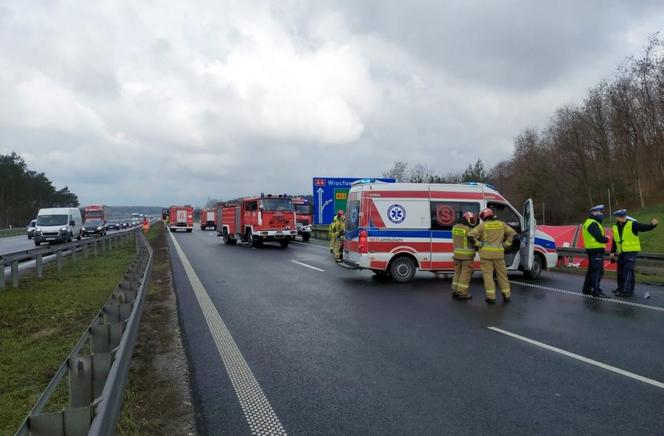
(72, 223)
(261, 208)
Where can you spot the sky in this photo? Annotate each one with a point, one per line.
(151, 102)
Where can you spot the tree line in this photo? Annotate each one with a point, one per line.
(609, 148)
(23, 192)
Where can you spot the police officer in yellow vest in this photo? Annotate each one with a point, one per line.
(626, 244)
(464, 254)
(594, 240)
(492, 236)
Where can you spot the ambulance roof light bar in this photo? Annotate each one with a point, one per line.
(363, 181)
(480, 183)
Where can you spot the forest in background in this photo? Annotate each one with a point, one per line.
(23, 192)
(609, 148)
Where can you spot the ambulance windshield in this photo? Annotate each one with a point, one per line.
(277, 204)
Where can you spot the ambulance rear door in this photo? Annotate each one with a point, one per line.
(527, 249)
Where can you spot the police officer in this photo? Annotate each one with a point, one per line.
(338, 230)
(492, 236)
(594, 239)
(626, 244)
(464, 253)
(330, 230)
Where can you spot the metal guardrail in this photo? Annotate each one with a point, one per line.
(579, 252)
(87, 246)
(98, 365)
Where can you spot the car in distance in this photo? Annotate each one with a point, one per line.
(31, 228)
(94, 227)
(113, 225)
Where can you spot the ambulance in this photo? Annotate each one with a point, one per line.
(394, 229)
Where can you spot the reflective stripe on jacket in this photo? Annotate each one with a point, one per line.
(463, 249)
(493, 236)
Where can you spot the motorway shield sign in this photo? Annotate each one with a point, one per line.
(331, 194)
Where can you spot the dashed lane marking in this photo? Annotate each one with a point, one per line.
(581, 358)
(257, 410)
(579, 294)
(308, 266)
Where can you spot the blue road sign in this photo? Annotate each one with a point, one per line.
(330, 195)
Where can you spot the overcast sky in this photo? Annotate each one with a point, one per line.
(156, 102)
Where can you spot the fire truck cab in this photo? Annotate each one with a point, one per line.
(181, 217)
(255, 220)
(394, 229)
(304, 218)
(208, 219)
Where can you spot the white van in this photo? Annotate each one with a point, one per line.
(395, 228)
(60, 224)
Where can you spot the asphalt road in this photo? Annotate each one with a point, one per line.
(12, 244)
(323, 350)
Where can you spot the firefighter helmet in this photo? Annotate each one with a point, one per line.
(486, 214)
(469, 217)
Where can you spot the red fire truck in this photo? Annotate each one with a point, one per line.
(304, 217)
(181, 217)
(255, 220)
(208, 219)
(94, 212)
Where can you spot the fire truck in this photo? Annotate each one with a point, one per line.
(208, 219)
(94, 212)
(304, 218)
(255, 220)
(181, 217)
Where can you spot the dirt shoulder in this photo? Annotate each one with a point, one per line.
(157, 397)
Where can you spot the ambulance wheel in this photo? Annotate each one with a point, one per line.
(402, 269)
(284, 243)
(305, 237)
(534, 273)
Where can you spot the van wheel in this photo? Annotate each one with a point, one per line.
(534, 273)
(37, 243)
(80, 236)
(402, 269)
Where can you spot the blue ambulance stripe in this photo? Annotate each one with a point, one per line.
(550, 245)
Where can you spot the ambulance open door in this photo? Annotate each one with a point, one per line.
(527, 249)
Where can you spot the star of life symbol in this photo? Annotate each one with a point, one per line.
(396, 213)
(353, 216)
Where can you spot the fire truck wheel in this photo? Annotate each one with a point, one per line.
(402, 269)
(284, 243)
(253, 240)
(305, 237)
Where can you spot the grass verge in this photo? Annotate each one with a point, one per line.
(12, 232)
(157, 398)
(41, 321)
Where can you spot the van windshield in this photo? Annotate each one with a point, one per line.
(52, 220)
(279, 204)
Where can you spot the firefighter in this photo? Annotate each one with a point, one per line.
(464, 253)
(492, 237)
(626, 244)
(330, 230)
(338, 235)
(594, 240)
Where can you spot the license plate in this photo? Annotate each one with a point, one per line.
(279, 233)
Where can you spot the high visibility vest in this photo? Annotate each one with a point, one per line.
(462, 249)
(628, 242)
(589, 240)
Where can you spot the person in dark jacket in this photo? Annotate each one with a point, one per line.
(594, 240)
(626, 244)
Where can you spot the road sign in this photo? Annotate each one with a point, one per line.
(330, 195)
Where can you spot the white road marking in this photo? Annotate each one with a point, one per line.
(257, 409)
(308, 266)
(579, 294)
(581, 358)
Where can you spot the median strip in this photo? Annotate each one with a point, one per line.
(581, 358)
(257, 410)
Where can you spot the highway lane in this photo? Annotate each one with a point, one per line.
(13, 244)
(338, 352)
